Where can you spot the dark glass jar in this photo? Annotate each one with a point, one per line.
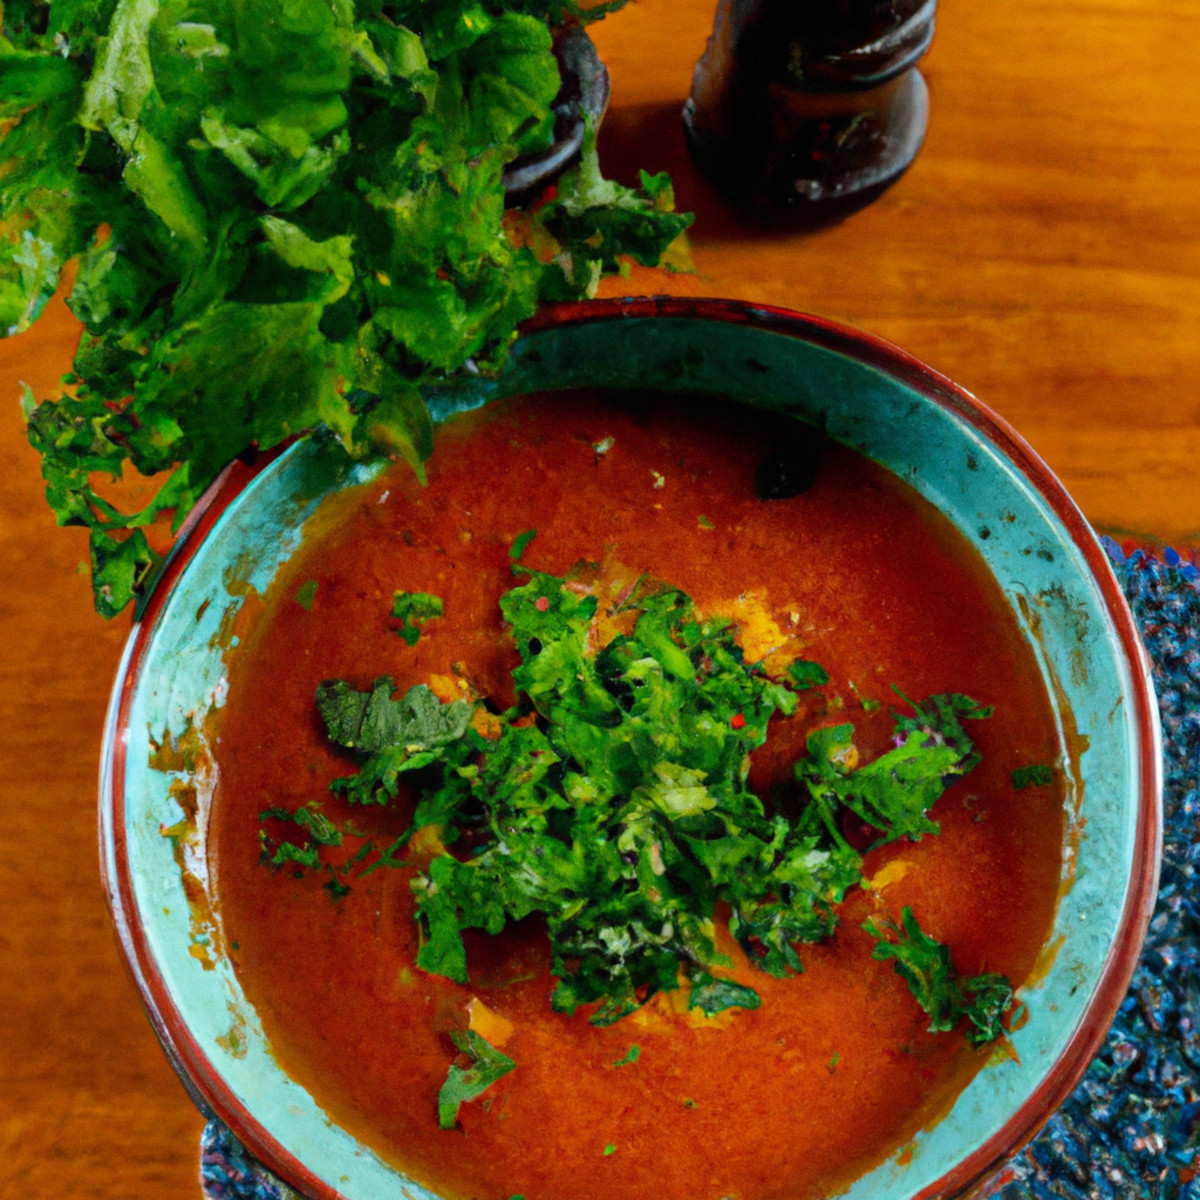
(803, 101)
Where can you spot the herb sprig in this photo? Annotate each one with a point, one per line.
(948, 997)
(286, 215)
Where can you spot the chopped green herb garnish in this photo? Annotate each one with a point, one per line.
(711, 995)
(1037, 775)
(306, 594)
(375, 721)
(614, 801)
(318, 828)
(288, 852)
(631, 1057)
(412, 610)
(610, 1149)
(487, 1065)
(807, 674)
(333, 885)
(520, 543)
(944, 994)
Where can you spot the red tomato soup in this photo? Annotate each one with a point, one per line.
(836, 1069)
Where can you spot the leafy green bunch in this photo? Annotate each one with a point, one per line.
(286, 214)
(612, 801)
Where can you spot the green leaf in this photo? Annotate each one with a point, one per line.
(317, 825)
(463, 1084)
(511, 80)
(412, 610)
(120, 568)
(373, 721)
(946, 996)
(711, 995)
(1036, 775)
(597, 221)
(520, 544)
(895, 792)
(306, 594)
(807, 674)
(443, 953)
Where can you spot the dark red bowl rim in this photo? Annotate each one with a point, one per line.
(208, 1088)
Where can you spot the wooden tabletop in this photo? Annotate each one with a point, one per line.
(1043, 251)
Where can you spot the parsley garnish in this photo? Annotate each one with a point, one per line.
(486, 1065)
(931, 977)
(614, 802)
(412, 610)
(1037, 775)
(306, 594)
(805, 674)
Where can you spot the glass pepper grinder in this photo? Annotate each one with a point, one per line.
(797, 103)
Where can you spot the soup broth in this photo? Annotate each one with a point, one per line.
(836, 1069)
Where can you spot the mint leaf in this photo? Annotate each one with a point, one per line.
(463, 1084)
(396, 735)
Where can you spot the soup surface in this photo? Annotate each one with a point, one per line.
(836, 1068)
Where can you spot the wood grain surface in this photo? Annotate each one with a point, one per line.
(1043, 251)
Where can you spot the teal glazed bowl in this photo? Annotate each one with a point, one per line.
(964, 459)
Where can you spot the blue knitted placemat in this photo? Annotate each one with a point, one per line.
(1131, 1130)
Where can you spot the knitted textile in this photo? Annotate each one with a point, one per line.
(1132, 1127)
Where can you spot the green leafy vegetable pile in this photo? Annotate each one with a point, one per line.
(613, 802)
(287, 214)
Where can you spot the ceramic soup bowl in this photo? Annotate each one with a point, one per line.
(963, 459)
